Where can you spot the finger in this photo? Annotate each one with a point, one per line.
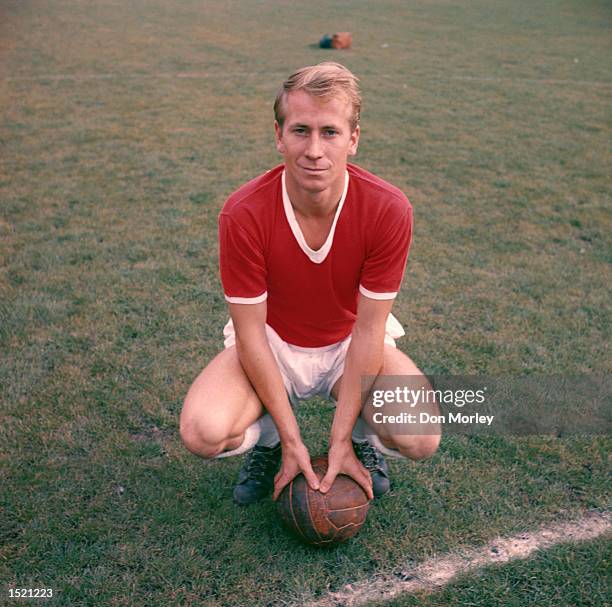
(311, 478)
(328, 481)
(279, 485)
(362, 477)
(365, 483)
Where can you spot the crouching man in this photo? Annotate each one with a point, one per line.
(312, 255)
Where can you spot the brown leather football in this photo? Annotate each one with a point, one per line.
(323, 519)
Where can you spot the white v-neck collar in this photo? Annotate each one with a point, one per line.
(319, 255)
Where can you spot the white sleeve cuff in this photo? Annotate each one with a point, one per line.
(247, 300)
(373, 295)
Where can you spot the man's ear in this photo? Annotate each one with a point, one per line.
(354, 142)
(278, 136)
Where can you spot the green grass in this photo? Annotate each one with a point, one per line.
(123, 128)
(564, 576)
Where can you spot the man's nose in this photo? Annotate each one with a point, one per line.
(314, 151)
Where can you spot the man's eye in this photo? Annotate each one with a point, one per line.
(299, 130)
(330, 132)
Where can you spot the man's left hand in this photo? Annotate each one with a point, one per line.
(342, 460)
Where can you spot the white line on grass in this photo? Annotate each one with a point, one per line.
(552, 81)
(115, 76)
(242, 74)
(435, 573)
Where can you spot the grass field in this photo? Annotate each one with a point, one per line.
(123, 128)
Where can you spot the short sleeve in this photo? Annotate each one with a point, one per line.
(242, 264)
(385, 262)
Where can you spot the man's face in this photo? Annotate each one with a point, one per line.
(316, 140)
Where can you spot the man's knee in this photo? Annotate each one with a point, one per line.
(204, 439)
(418, 447)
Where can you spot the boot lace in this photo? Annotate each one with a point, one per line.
(367, 455)
(261, 463)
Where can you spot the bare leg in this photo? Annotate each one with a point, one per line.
(220, 405)
(413, 446)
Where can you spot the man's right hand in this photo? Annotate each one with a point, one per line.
(296, 459)
(261, 368)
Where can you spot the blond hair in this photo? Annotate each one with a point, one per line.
(326, 80)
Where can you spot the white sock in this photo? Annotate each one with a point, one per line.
(251, 436)
(269, 434)
(374, 440)
(362, 432)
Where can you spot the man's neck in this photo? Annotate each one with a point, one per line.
(314, 204)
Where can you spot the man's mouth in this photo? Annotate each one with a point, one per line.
(314, 169)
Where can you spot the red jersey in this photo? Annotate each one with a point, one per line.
(312, 295)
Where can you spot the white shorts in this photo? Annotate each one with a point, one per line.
(309, 372)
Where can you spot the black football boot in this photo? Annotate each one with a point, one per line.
(256, 478)
(374, 462)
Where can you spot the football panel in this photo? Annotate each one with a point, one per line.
(301, 510)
